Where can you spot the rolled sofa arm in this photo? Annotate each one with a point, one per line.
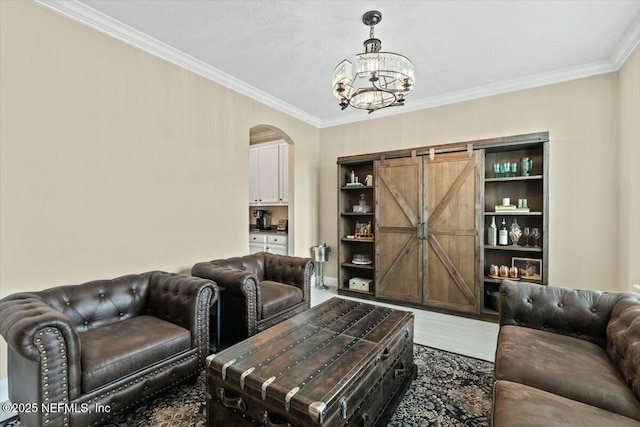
(581, 314)
(184, 301)
(36, 332)
(291, 270)
(238, 282)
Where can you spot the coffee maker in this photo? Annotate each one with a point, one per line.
(263, 221)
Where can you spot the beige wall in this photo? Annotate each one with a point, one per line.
(113, 161)
(629, 170)
(582, 119)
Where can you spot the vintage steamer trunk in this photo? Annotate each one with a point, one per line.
(339, 363)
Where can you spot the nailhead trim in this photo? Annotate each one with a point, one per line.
(44, 377)
(148, 376)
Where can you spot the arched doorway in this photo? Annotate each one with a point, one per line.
(270, 135)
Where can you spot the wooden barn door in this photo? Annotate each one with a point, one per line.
(452, 244)
(398, 199)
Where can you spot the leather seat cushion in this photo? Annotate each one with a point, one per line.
(563, 365)
(517, 405)
(120, 349)
(277, 297)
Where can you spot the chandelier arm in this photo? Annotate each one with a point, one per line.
(385, 89)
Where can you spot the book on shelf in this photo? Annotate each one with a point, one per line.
(510, 208)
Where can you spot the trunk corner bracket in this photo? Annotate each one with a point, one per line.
(318, 410)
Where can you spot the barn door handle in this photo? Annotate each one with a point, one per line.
(421, 233)
(231, 401)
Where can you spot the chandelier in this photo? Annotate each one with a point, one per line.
(382, 79)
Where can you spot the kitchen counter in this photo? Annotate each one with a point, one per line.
(256, 231)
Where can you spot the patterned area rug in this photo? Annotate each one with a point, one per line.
(450, 390)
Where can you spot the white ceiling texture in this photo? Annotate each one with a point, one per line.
(283, 52)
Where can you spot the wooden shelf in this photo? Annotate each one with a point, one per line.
(514, 178)
(361, 266)
(488, 279)
(508, 213)
(356, 187)
(356, 214)
(344, 239)
(514, 248)
(356, 293)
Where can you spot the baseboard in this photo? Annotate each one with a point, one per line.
(328, 281)
(331, 281)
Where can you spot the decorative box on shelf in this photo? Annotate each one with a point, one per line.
(360, 284)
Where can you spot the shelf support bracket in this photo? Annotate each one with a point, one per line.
(470, 150)
(432, 153)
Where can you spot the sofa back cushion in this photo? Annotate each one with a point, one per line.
(623, 341)
(100, 302)
(580, 314)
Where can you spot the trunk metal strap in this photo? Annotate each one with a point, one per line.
(224, 368)
(244, 375)
(210, 359)
(287, 398)
(265, 385)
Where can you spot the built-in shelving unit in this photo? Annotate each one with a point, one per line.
(348, 197)
(430, 210)
(533, 188)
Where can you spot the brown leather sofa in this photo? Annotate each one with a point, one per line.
(79, 354)
(260, 290)
(566, 357)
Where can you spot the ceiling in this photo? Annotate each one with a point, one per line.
(283, 52)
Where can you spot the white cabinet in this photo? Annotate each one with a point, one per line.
(253, 177)
(283, 172)
(275, 243)
(269, 174)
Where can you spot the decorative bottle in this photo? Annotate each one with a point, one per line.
(503, 234)
(493, 233)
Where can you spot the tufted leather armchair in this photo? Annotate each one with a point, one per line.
(262, 290)
(103, 344)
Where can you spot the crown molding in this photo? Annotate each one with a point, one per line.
(621, 53)
(627, 44)
(500, 88)
(85, 15)
(98, 21)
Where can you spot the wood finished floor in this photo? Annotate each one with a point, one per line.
(460, 335)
